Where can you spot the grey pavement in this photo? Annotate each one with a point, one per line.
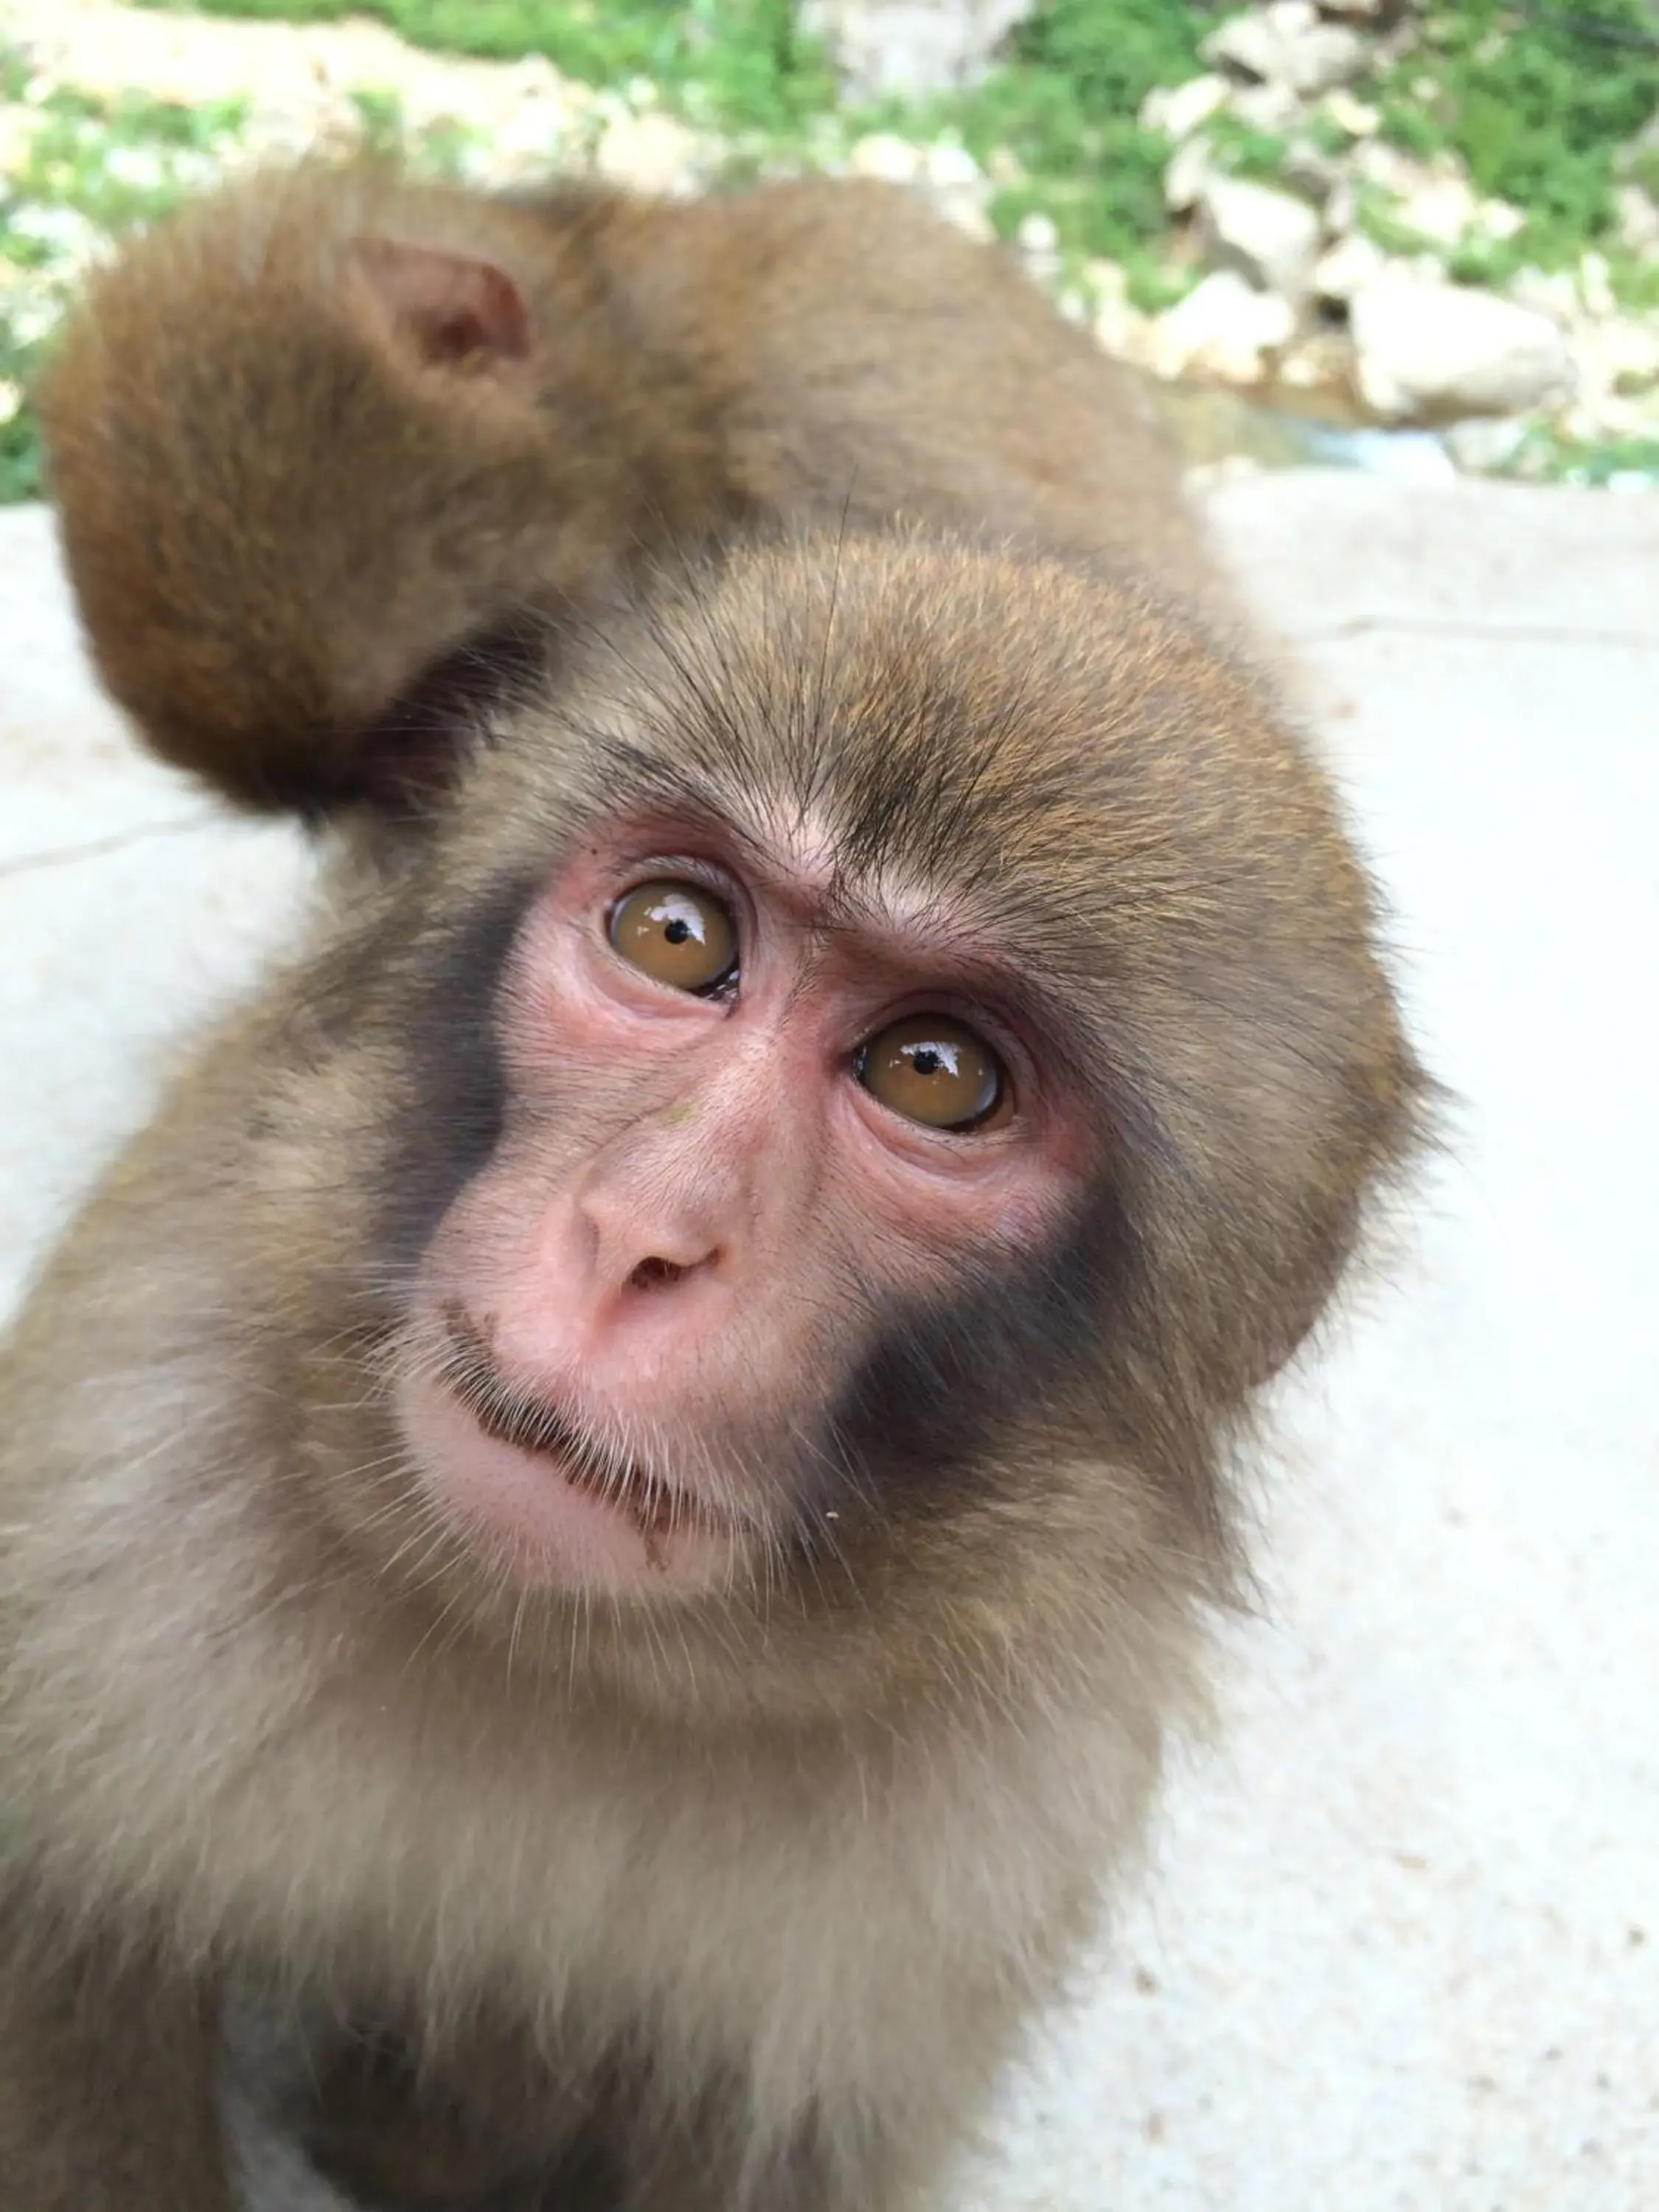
(1398, 1948)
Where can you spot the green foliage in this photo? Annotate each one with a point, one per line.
(21, 473)
(738, 64)
(1243, 150)
(93, 167)
(1492, 262)
(1547, 456)
(1065, 106)
(1537, 102)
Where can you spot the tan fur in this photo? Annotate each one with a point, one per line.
(776, 1878)
(277, 512)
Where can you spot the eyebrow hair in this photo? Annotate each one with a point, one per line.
(978, 956)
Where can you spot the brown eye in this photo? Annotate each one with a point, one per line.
(936, 1071)
(675, 934)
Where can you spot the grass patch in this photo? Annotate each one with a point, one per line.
(1549, 456)
(91, 167)
(1065, 106)
(737, 66)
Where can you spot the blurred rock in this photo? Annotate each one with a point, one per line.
(1318, 362)
(649, 152)
(1222, 328)
(893, 161)
(1486, 443)
(1441, 209)
(1185, 177)
(1354, 116)
(1348, 266)
(1638, 219)
(1272, 107)
(1431, 349)
(1287, 44)
(910, 48)
(1269, 236)
(1179, 110)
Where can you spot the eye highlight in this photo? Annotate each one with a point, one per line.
(675, 934)
(933, 1069)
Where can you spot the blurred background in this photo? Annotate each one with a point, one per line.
(1420, 236)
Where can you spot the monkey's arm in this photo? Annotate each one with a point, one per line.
(107, 2086)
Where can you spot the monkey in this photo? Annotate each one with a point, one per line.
(604, 1519)
(471, 407)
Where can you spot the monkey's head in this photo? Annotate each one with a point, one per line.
(848, 1099)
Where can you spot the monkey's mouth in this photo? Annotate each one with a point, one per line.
(656, 1509)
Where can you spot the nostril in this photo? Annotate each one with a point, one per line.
(656, 1274)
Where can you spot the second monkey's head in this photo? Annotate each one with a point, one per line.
(845, 1102)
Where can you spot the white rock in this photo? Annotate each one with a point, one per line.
(1178, 110)
(1037, 235)
(1550, 293)
(18, 126)
(1265, 106)
(1288, 46)
(959, 189)
(1107, 280)
(1222, 328)
(1378, 163)
(1423, 348)
(966, 212)
(1272, 237)
(911, 47)
(953, 168)
(1354, 116)
(1483, 443)
(1619, 356)
(1350, 264)
(1249, 45)
(1186, 175)
(1638, 219)
(1500, 218)
(1316, 363)
(1595, 285)
(1308, 170)
(1122, 330)
(893, 161)
(1327, 56)
(651, 153)
(1441, 209)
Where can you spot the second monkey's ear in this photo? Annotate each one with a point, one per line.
(449, 310)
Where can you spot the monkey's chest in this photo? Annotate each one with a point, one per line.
(323, 2118)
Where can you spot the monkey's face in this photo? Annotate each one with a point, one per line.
(763, 1111)
(854, 1091)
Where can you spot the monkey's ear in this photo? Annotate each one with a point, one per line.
(448, 309)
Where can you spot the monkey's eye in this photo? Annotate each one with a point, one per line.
(677, 933)
(934, 1070)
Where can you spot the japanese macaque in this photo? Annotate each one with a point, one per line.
(602, 1520)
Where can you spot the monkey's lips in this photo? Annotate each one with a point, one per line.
(519, 1478)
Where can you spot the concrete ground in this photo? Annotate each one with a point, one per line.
(1400, 1949)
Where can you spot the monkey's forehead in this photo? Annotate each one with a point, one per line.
(1007, 741)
